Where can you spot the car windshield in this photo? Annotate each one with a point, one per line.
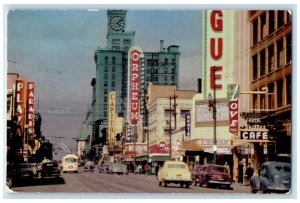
(280, 168)
(219, 170)
(178, 166)
(70, 160)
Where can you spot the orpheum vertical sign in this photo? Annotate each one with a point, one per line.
(134, 71)
(21, 103)
(30, 109)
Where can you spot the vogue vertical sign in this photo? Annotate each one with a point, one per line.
(134, 71)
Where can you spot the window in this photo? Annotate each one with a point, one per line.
(113, 76)
(271, 97)
(262, 101)
(105, 91)
(263, 26)
(105, 113)
(166, 78)
(155, 62)
(105, 83)
(113, 69)
(279, 93)
(167, 112)
(106, 60)
(255, 31)
(255, 102)
(288, 48)
(149, 62)
(127, 42)
(173, 78)
(105, 98)
(184, 112)
(113, 60)
(262, 63)
(105, 76)
(280, 19)
(166, 70)
(105, 69)
(271, 22)
(254, 67)
(288, 90)
(280, 53)
(271, 58)
(115, 42)
(166, 61)
(113, 83)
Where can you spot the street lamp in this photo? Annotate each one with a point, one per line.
(212, 104)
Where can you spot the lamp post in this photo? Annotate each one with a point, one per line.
(212, 104)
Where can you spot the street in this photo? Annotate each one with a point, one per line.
(94, 182)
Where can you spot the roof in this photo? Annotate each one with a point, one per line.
(165, 91)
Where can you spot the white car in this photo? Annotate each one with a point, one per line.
(174, 172)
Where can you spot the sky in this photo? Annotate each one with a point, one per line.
(55, 48)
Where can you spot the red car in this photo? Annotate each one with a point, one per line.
(196, 172)
(214, 175)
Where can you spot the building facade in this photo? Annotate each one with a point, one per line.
(271, 68)
(217, 70)
(161, 67)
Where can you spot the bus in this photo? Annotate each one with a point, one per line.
(69, 163)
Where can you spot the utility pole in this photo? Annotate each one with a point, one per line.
(170, 121)
(170, 131)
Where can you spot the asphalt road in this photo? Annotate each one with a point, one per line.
(134, 184)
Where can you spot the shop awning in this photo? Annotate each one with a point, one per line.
(157, 149)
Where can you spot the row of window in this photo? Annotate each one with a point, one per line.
(267, 23)
(154, 62)
(274, 56)
(279, 95)
(117, 42)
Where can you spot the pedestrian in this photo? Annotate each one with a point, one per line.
(249, 173)
(240, 170)
(227, 167)
(156, 169)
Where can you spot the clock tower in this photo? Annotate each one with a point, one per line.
(116, 21)
(118, 39)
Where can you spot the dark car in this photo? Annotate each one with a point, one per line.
(50, 169)
(273, 177)
(88, 167)
(103, 168)
(26, 170)
(214, 175)
(196, 172)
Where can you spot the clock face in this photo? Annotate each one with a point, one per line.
(117, 23)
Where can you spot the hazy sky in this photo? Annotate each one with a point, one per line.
(55, 48)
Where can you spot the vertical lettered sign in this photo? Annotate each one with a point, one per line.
(134, 71)
(20, 110)
(111, 118)
(30, 109)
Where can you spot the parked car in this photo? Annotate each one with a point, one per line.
(50, 169)
(26, 170)
(174, 172)
(88, 167)
(273, 177)
(115, 168)
(196, 172)
(214, 175)
(103, 168)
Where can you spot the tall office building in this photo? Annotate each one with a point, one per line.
(161, 67)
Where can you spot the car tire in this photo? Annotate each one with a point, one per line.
(165, 184)
(9, 182)
(187, 185)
